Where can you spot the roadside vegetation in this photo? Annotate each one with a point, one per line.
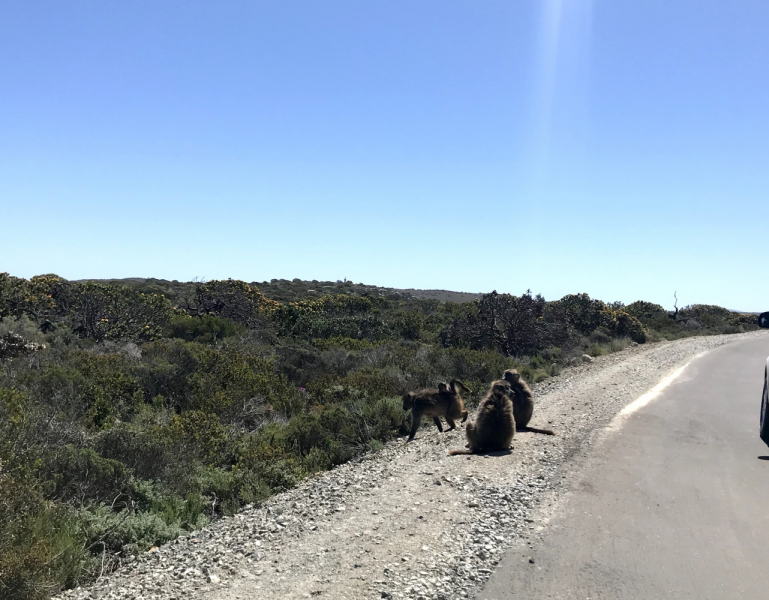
(135, 411)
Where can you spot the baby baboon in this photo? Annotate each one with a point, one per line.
(494, 426)
(442, 402)
(523, 402)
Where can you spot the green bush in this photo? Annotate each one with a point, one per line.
(620, 324)
(106, 312)
(207, 329)
(150, 452)
(233, 300)
(22, 326)
(41, 549)
(597, 350)
(515, 326)
(128, 532)
(582, 312)
(646, 311)
(83, 477)
(347, 343)
(333, 316)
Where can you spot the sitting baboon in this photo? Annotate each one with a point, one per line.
(494, 426)
(442, 402)
(523, 402)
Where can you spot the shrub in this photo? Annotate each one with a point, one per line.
(41, 550)
(84, 477)
(108, 312)
(346, 343)
(207, 329)
(149, 453)
(596, 350)
(645, 311)
(409, 325)
(264, 465)
(620, 324)
(13, 345)
(515, 326)
(23, 327)
(231, 299)
(225, 379)
(332, 316)
(743, 321)
(12, 295)
(200, 433)
(105, 386)
(128, 532)
(583, 313)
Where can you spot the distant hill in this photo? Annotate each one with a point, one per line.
(441, 295)
(285, 290)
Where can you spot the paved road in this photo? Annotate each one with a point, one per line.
(673, 505)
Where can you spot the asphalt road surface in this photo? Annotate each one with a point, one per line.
(673, 504)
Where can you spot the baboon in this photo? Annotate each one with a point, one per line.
(523, 402)
(436, 403)
(494, 426)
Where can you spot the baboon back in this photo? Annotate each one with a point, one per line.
(523, 406)
(444, 402)
(494, 426)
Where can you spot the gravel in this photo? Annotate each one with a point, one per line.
(407, 521)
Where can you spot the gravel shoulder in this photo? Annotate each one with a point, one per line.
(407, 521)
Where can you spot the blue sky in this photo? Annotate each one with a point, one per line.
(614, 147)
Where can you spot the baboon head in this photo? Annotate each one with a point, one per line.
(512, 376)
(408, 401)
(500, 388)
(444, 387)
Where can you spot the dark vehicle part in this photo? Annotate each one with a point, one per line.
(764, 431)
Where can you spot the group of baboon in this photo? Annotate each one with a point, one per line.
(507, 407)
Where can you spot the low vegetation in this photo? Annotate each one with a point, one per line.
(132, 412)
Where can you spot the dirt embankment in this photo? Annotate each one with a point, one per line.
(408, 521)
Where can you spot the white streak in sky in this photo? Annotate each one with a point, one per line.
(561, 80)
(548, 52)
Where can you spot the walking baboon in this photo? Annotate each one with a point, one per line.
(494, 425)
(436, 403)
(523, 402)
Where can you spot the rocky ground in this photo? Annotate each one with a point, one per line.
(408, 521)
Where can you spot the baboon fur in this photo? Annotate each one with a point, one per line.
(523, 402)
(494, 425)
(444, 401)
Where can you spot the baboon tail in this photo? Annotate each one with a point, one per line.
(455, 452)
(536, 430)
(456, 383)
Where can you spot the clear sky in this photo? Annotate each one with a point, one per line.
(614, 147)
